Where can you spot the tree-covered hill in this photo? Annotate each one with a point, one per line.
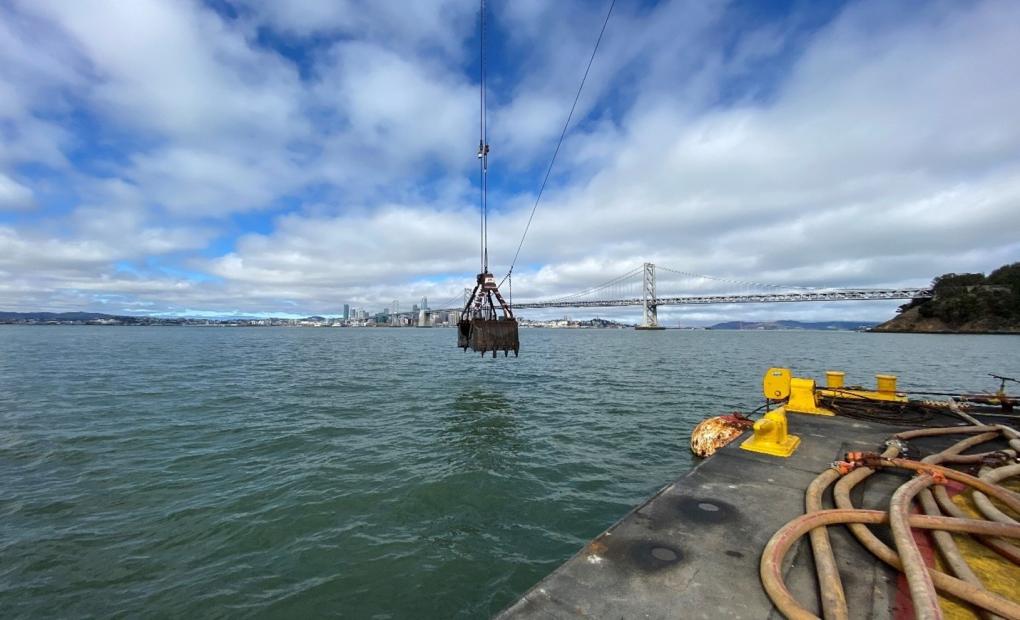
(965, 303)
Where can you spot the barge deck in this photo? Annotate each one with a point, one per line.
(693, 549)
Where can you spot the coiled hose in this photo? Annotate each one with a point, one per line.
(923, 582)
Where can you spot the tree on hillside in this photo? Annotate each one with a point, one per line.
(965, 297)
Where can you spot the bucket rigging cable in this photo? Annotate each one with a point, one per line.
(481, 328)
(559, 143)
(483, 146)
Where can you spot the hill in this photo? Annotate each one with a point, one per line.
(966, 303)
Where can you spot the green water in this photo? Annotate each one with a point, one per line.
(227, 472)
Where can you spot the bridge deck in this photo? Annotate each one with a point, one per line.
(757, 298)
(693, 549)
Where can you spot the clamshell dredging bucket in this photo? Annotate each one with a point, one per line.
(484, 335)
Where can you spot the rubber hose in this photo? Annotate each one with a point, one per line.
(950, 552)
(945, 430)
(922, 590)
(944, 540)
(1012, 500)
(970, 459)
(984, 504)
(781, 542)
(833, 598)
(946, 583)
(1009, 551)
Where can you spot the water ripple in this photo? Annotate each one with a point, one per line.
(361, 473)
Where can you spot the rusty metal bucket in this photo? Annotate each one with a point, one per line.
(484, 335)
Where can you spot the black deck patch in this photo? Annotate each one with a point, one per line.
(704, 510)
(645, 554)
(653, 555)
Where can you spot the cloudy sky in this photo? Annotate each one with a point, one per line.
(233, 156)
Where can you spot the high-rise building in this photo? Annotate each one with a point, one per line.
(347, 311)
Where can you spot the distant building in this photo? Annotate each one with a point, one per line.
(347, 311)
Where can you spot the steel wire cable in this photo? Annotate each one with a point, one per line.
(483, 144)
(886, 412)
(559, 143)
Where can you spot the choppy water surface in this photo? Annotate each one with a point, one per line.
(363, 473)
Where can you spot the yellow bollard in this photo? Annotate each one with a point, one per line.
(834, 378)
(886, 383)
(802, 398)
(771, 436)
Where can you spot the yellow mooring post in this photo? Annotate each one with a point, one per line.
(885, 389)
(803, 398)
(771, 434)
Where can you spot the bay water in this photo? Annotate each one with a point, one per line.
(365, 473)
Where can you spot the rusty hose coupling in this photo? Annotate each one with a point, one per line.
(937, 476)
(865, 459)
(901, 446)
(997, 459)
(843, 467)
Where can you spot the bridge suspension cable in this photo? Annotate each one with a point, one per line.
(688, 274)
(599, 287)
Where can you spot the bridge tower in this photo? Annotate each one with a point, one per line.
(649, 304)
(423, 313)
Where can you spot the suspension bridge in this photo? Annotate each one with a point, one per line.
(640, 286)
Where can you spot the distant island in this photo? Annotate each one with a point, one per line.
(813, 325)
(964, 303)
(98, 318)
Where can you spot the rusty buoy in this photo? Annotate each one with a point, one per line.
(711, 434)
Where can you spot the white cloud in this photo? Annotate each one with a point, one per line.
(389, 246)
(881, 149)
(13, 195)
(177, 69)
(399, 115)
(439, 25)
